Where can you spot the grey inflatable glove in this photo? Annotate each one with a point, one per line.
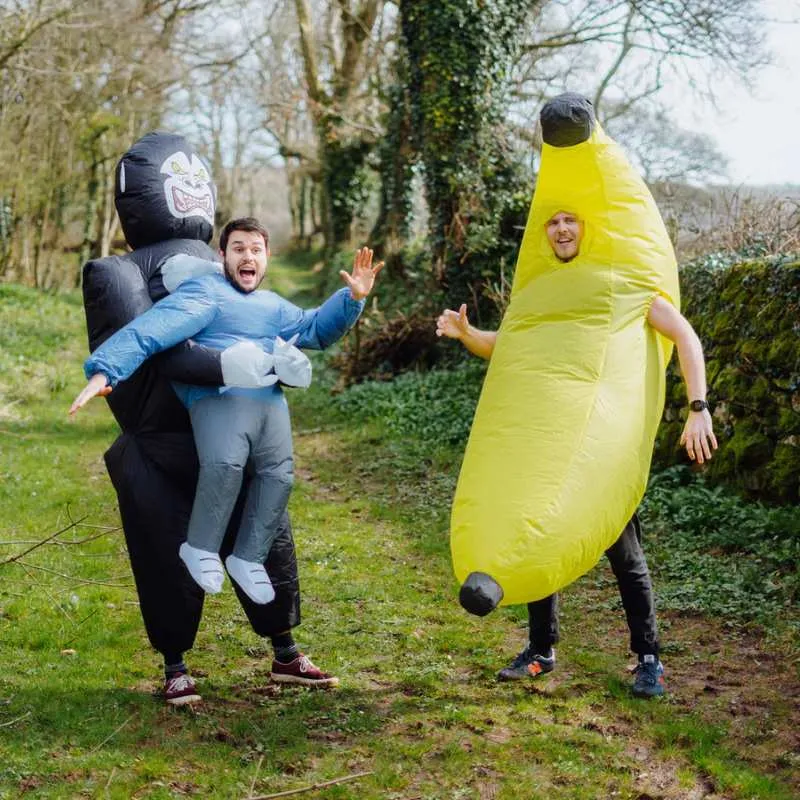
(181, 267)
(291, 365)
(246, 365)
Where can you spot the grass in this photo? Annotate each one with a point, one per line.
(418, 707)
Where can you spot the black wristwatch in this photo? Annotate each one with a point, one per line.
(698, 405)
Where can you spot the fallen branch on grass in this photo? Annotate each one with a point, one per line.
(15, 721)
(80, 581)
(70, 543)
(323, 785)
(36, 546)
(111, 735)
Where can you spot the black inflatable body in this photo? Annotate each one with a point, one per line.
(164, 190)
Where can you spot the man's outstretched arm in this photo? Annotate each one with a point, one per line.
(318, 328)
(698, 433)
(177, 317)
(455, 325)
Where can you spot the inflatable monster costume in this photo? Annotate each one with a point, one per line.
(560, 448)
(239, 425)
(165, 200)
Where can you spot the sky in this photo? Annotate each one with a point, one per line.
(760, 132)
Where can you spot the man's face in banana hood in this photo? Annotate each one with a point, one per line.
(564, 232)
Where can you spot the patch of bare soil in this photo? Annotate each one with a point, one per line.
(734, 679)
(728, 678)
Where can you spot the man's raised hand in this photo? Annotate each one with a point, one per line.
(453, 324)
(97, 387)
(363, 276)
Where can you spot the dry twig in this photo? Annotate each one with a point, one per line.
(50, 538)
(14, 721)
(324, 784)
(111, 735)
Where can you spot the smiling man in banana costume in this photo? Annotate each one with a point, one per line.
(559, 453)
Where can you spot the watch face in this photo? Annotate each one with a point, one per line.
(698, 405)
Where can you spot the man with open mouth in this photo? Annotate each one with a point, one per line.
(238, 428)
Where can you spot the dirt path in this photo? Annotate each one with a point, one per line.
(730, 698)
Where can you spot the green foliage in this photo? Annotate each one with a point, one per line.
(345, 177)
(718, 554)
(747, 314)
(435, 406)
(35, 329)
(396, 158)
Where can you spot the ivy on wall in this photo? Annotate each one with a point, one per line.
(747, 315)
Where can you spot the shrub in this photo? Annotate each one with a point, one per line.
(714, 552)
(748, 316)
(436, 406)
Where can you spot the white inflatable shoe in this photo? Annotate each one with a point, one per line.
(251, 578)
(204, 566)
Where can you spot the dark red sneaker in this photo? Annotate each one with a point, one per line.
(302, 671)
(179, 690)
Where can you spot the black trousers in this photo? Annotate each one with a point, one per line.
(635, 588)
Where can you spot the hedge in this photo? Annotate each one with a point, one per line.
(747, 315)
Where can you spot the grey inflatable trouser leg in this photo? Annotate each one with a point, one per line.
(270, 485)
(229, 431)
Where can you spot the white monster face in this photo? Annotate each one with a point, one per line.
(188, 188)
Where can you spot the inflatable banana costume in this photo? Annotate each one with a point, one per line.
(559, 453)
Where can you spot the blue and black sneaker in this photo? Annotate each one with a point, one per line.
(649, 680)
(528, 665)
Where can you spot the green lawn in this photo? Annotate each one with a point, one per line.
(418, 708)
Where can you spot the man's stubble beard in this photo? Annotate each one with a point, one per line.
(231, 278)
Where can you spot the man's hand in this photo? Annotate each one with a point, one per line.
(453, 324)
(97, 387)
(363, 278)
(698, 436)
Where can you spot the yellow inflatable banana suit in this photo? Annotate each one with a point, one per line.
(559, 453)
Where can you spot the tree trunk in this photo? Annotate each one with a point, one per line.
(109, 224)
(89, 216)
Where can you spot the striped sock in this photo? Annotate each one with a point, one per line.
(171, 670)
(285, 647)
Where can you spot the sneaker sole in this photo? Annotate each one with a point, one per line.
(323, 683)
(187, 700)
(507, 677)
(648, 695)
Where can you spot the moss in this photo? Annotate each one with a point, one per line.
(748, 316)
(750, 447)
(784, 474)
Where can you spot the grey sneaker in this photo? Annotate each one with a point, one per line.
(528, 665)
(649, 677)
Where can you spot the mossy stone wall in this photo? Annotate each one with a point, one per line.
(747, 315)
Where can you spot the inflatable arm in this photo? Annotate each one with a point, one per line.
(320, 327)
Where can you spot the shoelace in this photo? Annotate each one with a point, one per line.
(305, 664)
(216, 568)
(648, 673)
(179, 683)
